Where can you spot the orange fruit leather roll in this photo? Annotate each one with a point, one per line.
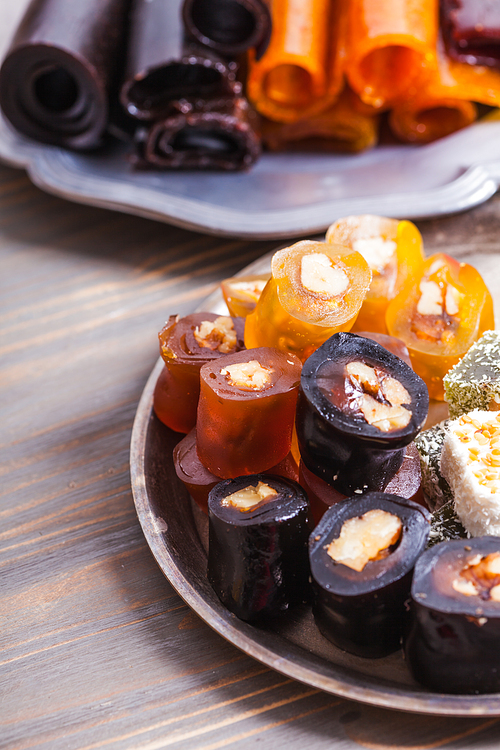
(445, 103)
(241, 293)
(439, 313)
(391, 48)
(394, 251)
(316, 289)
(342, 128)
(301, 72)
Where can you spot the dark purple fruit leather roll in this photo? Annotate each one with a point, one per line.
(162, 65)
(213, 134)
(229, 26)
(56, 78)
(471, 30)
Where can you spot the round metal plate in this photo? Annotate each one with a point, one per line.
(177, 533)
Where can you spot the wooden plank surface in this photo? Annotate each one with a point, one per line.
(96, 649)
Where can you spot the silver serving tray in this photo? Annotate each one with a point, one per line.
(284, 195)
(176, 530)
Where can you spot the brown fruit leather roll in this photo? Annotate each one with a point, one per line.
(471, 29)
(162, 65)
(56, 77)
(215, 134)
(229, 26)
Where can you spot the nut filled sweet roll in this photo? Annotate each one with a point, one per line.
(186, 344)
(316, 289)
(246, 411)
(359, 407)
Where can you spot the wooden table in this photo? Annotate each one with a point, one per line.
(96, 649)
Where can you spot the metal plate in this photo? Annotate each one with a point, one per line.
(177, 531)
(284, 195)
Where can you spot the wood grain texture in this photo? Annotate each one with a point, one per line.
(96, 650)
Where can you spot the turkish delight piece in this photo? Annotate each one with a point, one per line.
(474, 382)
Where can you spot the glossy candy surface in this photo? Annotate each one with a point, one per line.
(439, 314)
(242, 293)
(405, 483)
(394, 252)
(362, 611)
(452, 644)
(178, 387)
(199, 481)
(316, 289)
(245, 422)
(336, 441)
(257, 560)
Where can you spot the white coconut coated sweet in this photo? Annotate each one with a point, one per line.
(470, 462)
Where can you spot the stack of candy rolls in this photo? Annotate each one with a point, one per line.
(186, 92)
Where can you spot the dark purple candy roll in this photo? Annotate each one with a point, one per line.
(229, 26)
(362, 609)
(452, 641)
(214, 134)
(56, 77)
(338, 439)
(163, 66)
(471, 30)
(257, 558)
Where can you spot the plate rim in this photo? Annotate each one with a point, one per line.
(47, 168)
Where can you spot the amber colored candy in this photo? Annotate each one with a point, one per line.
(444, 103)
(393, 250)
(241, 293)
(340, 128)
(439, 314)
(177, 389)
(392, 46)
(301, 72)
(316, 290)
(246, 411)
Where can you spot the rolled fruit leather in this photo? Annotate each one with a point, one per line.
(230, 27)
(392, 46)
(186, 344)
(57, 76)
(164, 66)
(445, 102)
(315, 290)
(394, 251)
(471, 29)
(362, 555)
(202, 134)
(241, 293)
(257, 553)
(439, 314)
(302, 71)
(341, 128)
(452, 641)
(359, 407)
(246, 411)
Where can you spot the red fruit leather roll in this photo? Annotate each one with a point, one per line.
(229, 26)
(246, 411)
(220, 134)
(162, 65)
(178, 387)
(56, 78)
(471, 29)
